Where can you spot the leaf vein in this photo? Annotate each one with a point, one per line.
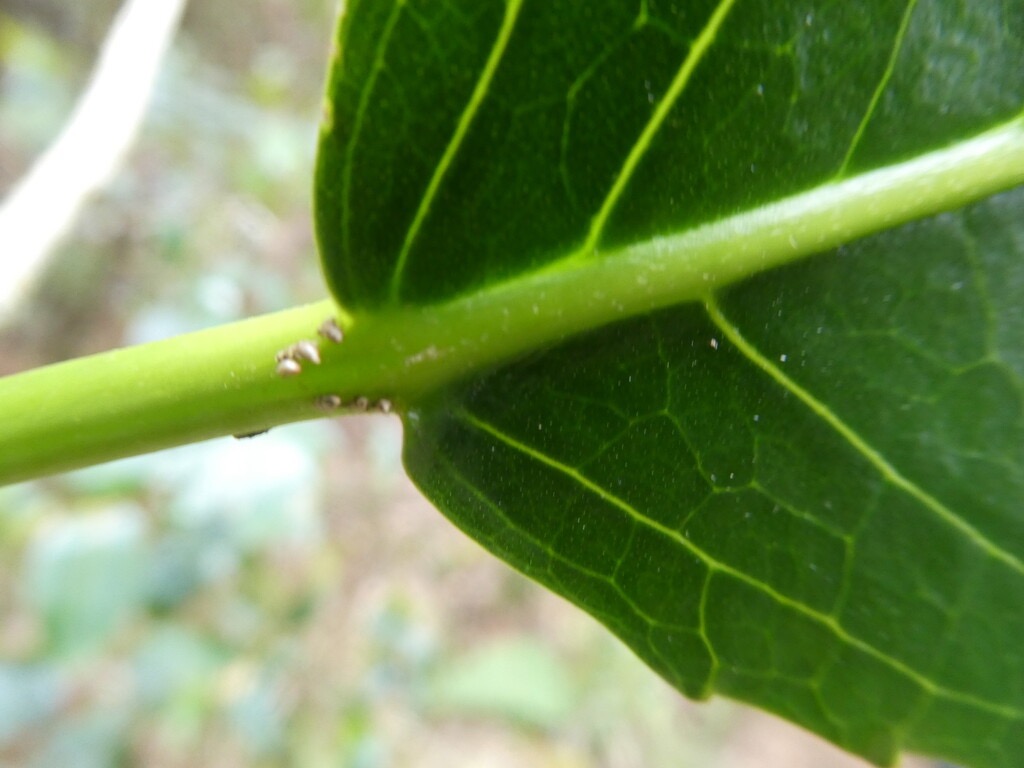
(470, 486)
(609, 619)
(357, 128)
(642, 144)
(715, 565)
(889, 472)
(480, 91)
(883, 82)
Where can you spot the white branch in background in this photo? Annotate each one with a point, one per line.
(43, 205)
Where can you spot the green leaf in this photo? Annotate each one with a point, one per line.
(468, 142)
(84, 577)
(516, 679)
(805, 495)
(798, 487)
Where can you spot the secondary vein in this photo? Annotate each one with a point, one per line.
(829, 622)
(357, 127)
(693, 58)
(483, 84)
(891, 474)
(890, 67)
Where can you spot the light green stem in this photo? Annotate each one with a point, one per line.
(139, 399)
(223, 381)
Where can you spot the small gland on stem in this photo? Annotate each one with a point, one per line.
(328, 402)
(305, 350)
(288, 358)
(331, 331)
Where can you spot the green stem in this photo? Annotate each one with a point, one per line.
(129, 401)
(223, 381)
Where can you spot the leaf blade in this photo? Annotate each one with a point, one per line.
(884, 467)
(806, 572)
(521, 211)
(824, 94)
(512, 9)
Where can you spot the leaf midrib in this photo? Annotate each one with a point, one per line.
(501, 321)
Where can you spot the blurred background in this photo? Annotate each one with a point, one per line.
(288, 599)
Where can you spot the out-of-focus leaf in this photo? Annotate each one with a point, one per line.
(85, 576)
(29, 695)
(517, 679)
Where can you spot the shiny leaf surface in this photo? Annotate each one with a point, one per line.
(805, 495)
(802, 490)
